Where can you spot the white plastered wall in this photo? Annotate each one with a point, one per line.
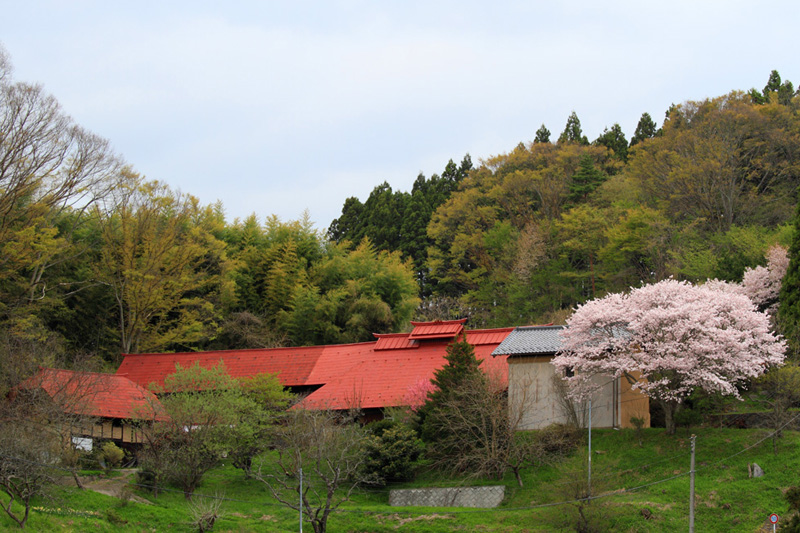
(534, 397)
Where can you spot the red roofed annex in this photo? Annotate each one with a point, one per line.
(368, 375)
(113, 399)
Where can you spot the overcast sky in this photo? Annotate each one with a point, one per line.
(279, 107)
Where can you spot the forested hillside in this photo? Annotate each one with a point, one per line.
(95, 260)
(526, 235)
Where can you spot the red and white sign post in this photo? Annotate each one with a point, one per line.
(773, 519)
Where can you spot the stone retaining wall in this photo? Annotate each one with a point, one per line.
(484, 497)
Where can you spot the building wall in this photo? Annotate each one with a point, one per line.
(633, 404)
(535, 397)
(105, 429)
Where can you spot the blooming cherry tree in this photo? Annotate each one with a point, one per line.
(678, 336)
(763, 284)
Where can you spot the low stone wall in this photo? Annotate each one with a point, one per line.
(484, 497)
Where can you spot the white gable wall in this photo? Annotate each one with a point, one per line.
(534, 396)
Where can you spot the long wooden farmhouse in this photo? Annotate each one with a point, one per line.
(369, 375)
(98, 405)
(534, 387)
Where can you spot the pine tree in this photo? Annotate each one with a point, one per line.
(572, 131)
(645, 129)
(774, 82)
(614, 139)
(462, 366)
(542, 135)
(585, 180)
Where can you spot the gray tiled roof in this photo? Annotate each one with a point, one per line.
(531, 340)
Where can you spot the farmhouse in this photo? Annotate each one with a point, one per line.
(534, 387)
(389, 371)
(393, 370)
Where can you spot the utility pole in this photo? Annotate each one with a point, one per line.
(691, 489)
(300, 493)
(590, 449)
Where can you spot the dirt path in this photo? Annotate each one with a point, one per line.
(116, 487)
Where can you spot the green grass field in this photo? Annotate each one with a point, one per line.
(627, 477)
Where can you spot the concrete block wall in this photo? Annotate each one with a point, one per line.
(483, 497)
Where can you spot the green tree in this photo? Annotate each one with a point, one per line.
(773, 83)
(572, 131)
(585, 180)
(614, 139)
(646, 128)
(722, 162)
(52, 172)
(462, 367)
(349, 224)
(391, 454)
(272, 260)
(582, 233)
(637, 248)
(208, 413)
(398, 221)
(786, 93)
(351, 294)
(161, 266)
(265, 402)
(542, 135)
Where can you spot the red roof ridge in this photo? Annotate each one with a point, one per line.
(207, 353)
(439, 322)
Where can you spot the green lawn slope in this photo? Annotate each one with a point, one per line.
(638, 488)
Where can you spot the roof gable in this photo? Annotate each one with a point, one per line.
(440, 329)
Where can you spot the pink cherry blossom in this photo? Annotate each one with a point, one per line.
(679, 336)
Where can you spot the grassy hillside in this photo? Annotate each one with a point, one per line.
(630, 477)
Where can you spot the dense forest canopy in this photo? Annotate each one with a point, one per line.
(530, 233)
(95, 259)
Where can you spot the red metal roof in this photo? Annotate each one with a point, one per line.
(487, 336)
(370, 374)
(441, 329)
(95, 394)
(292, 365)
(384, 378)
(394, 341)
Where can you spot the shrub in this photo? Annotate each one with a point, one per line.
(391, 455)
(110, 456)
(205, 512)
(559, 439)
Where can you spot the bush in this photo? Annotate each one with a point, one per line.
(205, 512)
(113, 454)
(559, 439)
(390, 456)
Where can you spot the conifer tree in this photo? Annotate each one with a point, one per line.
(585, 180)
(645, 129)
(614, 140)
(572, 131)
(542, 135)
(462, 366)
